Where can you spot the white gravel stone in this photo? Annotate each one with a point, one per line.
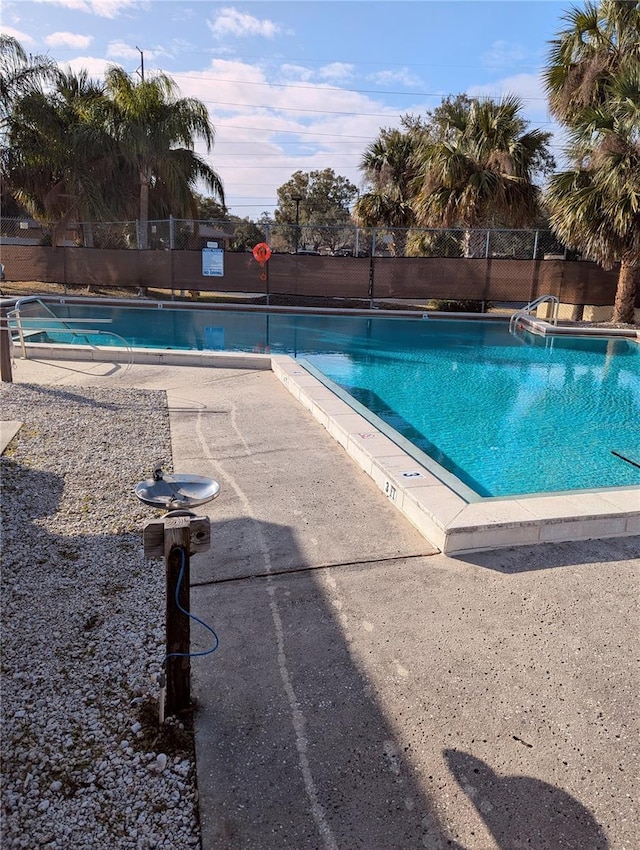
(83, 626)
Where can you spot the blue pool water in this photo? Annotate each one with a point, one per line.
(505, 415)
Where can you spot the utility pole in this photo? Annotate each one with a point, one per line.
(297, 199)
(140, 70)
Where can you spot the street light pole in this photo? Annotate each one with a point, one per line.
(297, 199)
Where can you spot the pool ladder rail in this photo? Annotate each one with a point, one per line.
(35, 326)
(516, 320)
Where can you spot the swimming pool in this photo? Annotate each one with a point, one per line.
(504, 415)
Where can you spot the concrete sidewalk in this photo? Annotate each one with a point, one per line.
(368, 691)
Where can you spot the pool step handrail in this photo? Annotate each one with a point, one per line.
(14, 315)
(532, 305)
(62, 325)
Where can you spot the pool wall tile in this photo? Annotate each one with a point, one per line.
(553, 509)
(624, 499)
(151, 356)
(582, 529)
(459, 542)
(359, 453)
(321, 415)
(632, 524)
(420, 518)
(439, 502)
(490, 514)
(305, 400)
(342, 425)
(382, 471)
(405, 469)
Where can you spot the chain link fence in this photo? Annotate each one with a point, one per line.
(309, 239)
(309, 265)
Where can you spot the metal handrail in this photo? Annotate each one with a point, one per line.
(63, 326)
(15, 315)
(526, 310)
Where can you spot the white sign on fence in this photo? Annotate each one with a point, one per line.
(213, 262)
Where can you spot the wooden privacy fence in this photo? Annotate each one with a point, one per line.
(488, 280)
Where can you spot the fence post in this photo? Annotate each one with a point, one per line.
(486, 248)
(171, 233)
(5, 347)
(178, 635)
(357, 245)
(137, 234)
(371, 273)
(535, 245)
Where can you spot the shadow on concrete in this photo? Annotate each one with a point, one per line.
(294, 746)
(546, 556)
(293, 749)
(521, 811)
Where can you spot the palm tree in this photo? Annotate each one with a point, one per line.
(58, 163)
(156, 132)
(20, 73)
(388, 166)
(595, 207)
(601, 40)
(480, 170)
(593, 83)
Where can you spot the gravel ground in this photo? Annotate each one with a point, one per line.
(84, 764)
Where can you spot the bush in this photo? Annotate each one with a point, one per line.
(461, 306)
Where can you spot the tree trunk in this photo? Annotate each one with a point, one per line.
(475, 243)
(144, 210)
(87, 231)
(400, 242)
(628, 280)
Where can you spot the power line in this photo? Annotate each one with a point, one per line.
(296, 109)
(351, 113)
(333, 89)
(288, 132)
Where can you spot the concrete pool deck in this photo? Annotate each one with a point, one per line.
(447, 520)
(370, 692)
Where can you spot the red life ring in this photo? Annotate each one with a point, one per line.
(262, 252)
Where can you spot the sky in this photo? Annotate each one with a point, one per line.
(308, 84)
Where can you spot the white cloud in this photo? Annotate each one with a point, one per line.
(69, 39)
(336, 71)
(101, 8)
(401, 76)
(182, 13)
(122, 50)
(94, 66)
(504, 53)
(24, 38)
(296, 72)
(265, 132)
(529, 87)
(232, 22)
